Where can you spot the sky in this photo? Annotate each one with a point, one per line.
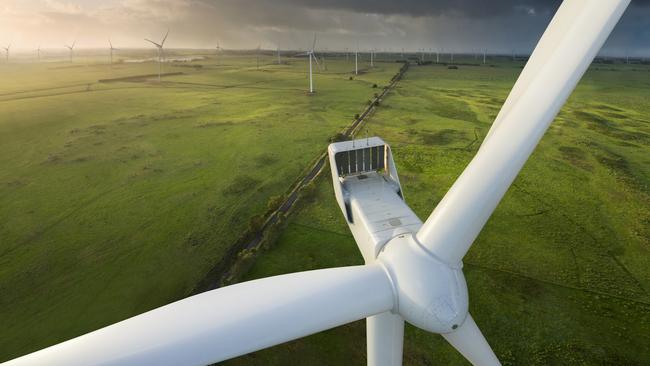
(501, 26)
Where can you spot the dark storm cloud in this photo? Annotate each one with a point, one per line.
(471, 8)
(462, 24)
(418, 8)
(454, 25)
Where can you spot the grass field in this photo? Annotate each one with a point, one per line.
(561, 273)
(119, 196)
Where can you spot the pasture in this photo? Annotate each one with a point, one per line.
(118, 194)
(561, 273)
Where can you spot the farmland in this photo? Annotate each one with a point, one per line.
(118, 193)
(561, 272)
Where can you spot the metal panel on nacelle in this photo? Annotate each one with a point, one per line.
(369, 193)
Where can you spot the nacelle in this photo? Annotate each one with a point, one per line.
(369, 193)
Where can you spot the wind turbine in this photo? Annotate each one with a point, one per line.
(356, 61)
(111, 49)
(413, 270)
(484, 55)
(312, 56)
(159, 47)
(7, 49)
(218, 50)
(71, 48)
(279, 59)
(257, 56)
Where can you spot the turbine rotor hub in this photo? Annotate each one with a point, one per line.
(430, 293)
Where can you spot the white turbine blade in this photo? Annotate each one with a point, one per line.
(385, 339)
(164, 39)
(469, 341)
(110, 43)
(231, 321)
(313, 46)
(317, 63)
(302, 54)
(460, 216)
(546, 46)
(154, 43)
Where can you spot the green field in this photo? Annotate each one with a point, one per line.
(117, 197)
(561, 273)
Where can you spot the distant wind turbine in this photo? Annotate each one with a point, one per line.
(312, 56)
(217, 52)
(279, 59)
(356, 61)
(160, 52)
(71, 48)
(112, 49)
(38, 53)
(7, 51)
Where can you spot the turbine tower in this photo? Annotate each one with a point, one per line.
(356, 61)
(112, 49)
(218, 50)
(159, 47)
(413, 270)
(71, 48)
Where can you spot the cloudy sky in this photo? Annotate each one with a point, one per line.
(457, 25)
